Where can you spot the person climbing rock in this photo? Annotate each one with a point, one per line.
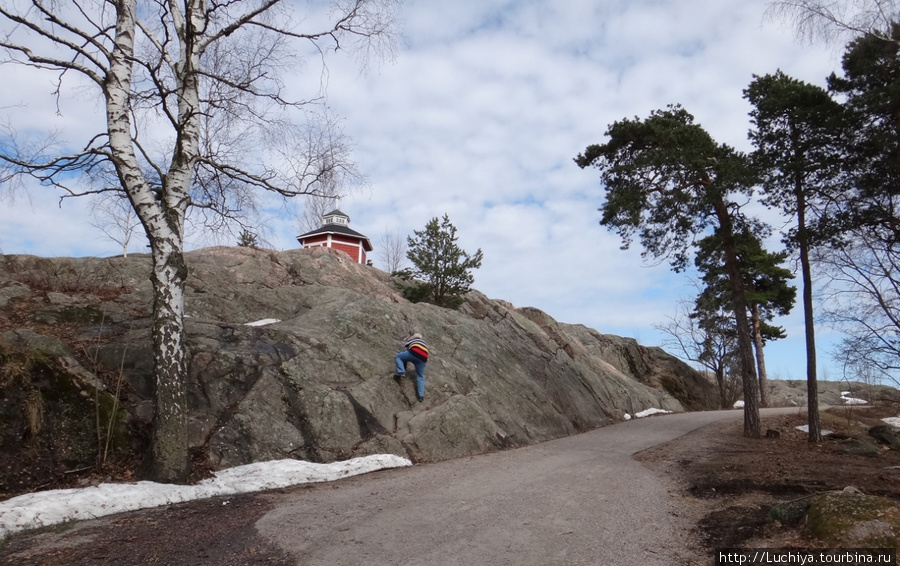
(415, 351)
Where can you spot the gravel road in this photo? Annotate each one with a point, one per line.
(575, 501)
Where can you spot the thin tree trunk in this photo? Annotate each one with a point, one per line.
(812, 387)
(745, 343)
(760, 356)
(720, 381)
(723, 394)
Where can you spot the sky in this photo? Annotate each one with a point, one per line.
(479, 116)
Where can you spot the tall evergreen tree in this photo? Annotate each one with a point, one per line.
(797, 136)
(865, 230)
(862, 263)
(667, 181)
(871, 87)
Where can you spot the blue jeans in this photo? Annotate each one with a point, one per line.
(406, 356)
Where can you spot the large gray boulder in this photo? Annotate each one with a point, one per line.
(317, 384)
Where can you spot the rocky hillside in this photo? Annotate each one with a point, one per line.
(792, 393)
(316, 385)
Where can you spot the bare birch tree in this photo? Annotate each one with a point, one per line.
(115, 217)
(706, 335)
(861, 298)
(393, 250)
(195, 92)
(833, 20)
(329, 188)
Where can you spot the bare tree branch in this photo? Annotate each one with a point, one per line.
(393, 250)
(833, 20)
(861, 298)
(115, 217)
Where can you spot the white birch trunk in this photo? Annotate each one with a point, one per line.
(162, 214)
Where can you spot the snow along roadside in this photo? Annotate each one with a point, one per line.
(46, 508)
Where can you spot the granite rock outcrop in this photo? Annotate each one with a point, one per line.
(291, 356)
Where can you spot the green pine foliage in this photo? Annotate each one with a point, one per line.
(248, 239)
(766, 282)
(666, 182)
(441, 272)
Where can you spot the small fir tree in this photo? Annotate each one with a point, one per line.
(441, 269)
(248, 239)
(766, 282)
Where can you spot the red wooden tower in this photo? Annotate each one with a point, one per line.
(335, 233)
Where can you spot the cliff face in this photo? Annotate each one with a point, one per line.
(317, 384)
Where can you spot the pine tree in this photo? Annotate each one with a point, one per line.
(797, 135)
(766, 285)
(441, 267)
(666, 181)
(248, 239)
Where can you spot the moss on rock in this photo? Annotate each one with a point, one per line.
(53, 421)
(850, 518)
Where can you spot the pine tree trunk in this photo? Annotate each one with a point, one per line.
(745, 343)
(760, 356)
(812, 387)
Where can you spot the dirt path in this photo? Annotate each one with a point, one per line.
(578, 500)
(575, 501)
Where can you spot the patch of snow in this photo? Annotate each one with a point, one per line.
(627, 417)
(738, 405)
(648, 412)
(893, 421)
(850, 400)
(45, 508)
(805, 428)
(263, 322)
